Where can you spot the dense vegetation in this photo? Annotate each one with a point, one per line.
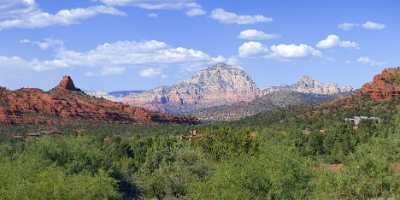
(307, 152)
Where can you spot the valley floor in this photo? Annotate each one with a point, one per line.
(281, 154)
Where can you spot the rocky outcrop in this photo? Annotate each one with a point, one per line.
(384, 86)
(67, 104)
(307, 85)
(67, 84)
(220, 84)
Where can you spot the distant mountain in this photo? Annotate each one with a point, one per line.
(378, 99)
(307, 85)
(125, 93)
(220, 84)
(67, 104)
(276, 99)
(113, 96)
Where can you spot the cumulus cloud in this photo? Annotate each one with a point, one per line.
(154, 4)
(373, 25)
(13, 62)
(329, 42)
(227, 17)
(46, 44)
(289, 51)
(191, 7)
(368, 61)
(114, 58)
(280, 51)
(253, 34)
(26, 14)
(332, 41)
(249, 49)
(369, 25)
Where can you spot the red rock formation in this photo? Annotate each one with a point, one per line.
(67, 84)
(384, 86)
(67, 104)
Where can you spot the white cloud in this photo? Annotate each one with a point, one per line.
(329, 42)
(347, 26)
(13, 62)
(332, 41)
(349, 44)
(195, 12)
(191, 7)
(373, 25)
(150, 72)
(46, 44)
(289, 51)
(114, 58)
(227, 17)
(152, 15)
(253, 34)
(368, 61)
(249, 49)
(154, 4)
(369, 25)
(27, 14)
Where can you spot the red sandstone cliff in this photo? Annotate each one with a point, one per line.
(384, 86)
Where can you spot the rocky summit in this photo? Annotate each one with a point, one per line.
(67, 84)
(220, 84)
(307, 85)
(67, 104)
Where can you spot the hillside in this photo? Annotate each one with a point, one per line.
(276, 99)
(378, 98)
(68, 104)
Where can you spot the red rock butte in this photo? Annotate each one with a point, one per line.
(384, 86)
(67, 104)
(67, 84)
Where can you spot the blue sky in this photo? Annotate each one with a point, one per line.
(140, 44)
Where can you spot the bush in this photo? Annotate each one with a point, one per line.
(277, 173)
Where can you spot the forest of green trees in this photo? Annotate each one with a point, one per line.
(276, 155)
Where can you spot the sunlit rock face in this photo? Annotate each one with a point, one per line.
(220, 84)
(384, 86)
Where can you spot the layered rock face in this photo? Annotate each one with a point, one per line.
(384, 86)
(218, 85)
(67, 104)
(307, 85)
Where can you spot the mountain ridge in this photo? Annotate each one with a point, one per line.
(218, 85)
